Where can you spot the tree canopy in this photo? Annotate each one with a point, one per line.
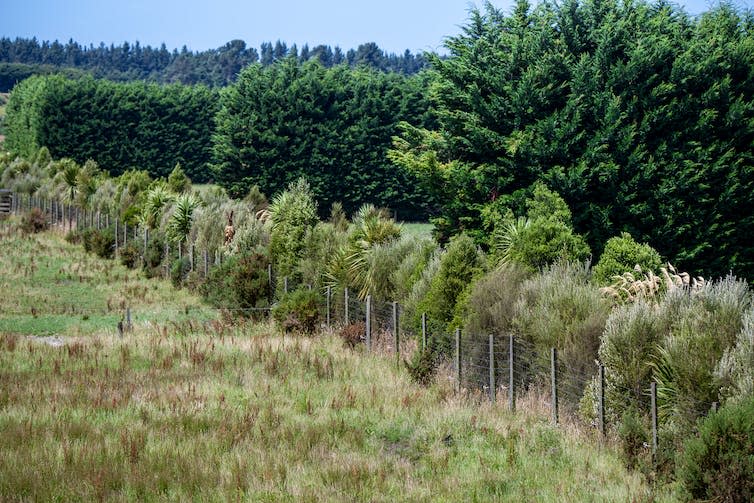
(637, 114)
(332, 126)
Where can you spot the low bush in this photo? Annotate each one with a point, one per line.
(34, 221)
(560, 308)
(634, 439)
(179, 271)
(73, 237)
(353, 334)
(622, 254)
(99, 241)
(298, 311)
(718, 464)
(239, 284)
(154, 254)
(423, 365)
(460, 265)
(129, 255)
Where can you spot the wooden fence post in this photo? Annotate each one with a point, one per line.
(424, 331)
(369, 323)
(511, 389)
(396, 333)
(492, 368)
(603, 428)
(459, 373)
(554, 379)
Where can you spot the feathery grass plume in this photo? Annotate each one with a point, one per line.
(630, 287)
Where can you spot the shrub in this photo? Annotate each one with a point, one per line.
(493, 298)
(99, 241)
(560, 308)
(698, 330)
(718, 465)
(178, 181)
(34, 221)
(628, 347)
(735, 372)
(491, 306)
(422, 366)
(293, 213)
(129, 255)
(154, 254)
(543, 237)
(460, 265)
(633, 438)
(353, 334)
(321, 244)
(298, 311)
(410, 270)
(249, 281)
(179, 271)
(622, 254)
(74, 237)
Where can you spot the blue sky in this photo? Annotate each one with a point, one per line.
(395, 25)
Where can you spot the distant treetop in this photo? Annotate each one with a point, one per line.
(23, 57)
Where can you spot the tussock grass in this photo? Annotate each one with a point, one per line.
(226, 414)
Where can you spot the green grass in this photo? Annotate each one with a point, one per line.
(51, 287)
(417, 229)
(213, 411)
(249, 414)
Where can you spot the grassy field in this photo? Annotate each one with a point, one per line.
(50, 287)
(182, 410)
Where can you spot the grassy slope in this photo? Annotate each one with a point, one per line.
(50, 287)
(181, 410)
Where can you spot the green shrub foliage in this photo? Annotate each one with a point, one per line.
(560, 308)
(129, 255)
(460, 265)
(298, 311)
(99, 241)
(293, 214)
(240, 284)
(622, 254)
(179, 271)
(718, 465)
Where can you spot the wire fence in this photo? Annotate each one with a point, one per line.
(499, 367)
